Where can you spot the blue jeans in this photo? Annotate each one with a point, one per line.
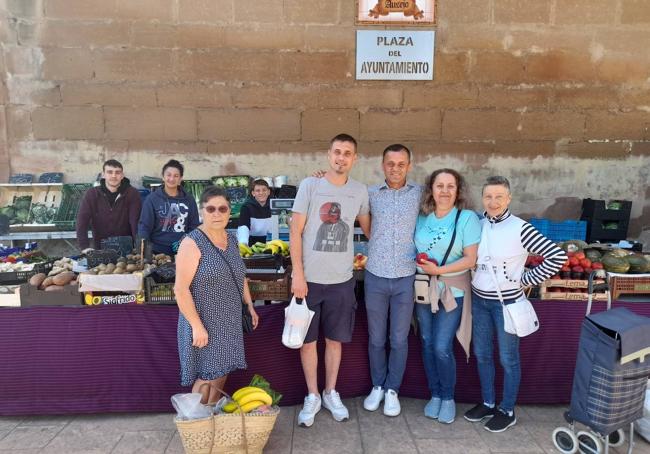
(437, 331)
(487, 317)
(386, 298)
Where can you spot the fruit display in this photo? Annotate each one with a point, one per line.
(274, 247)
(359, 262)
(257, 397)
(17, 259)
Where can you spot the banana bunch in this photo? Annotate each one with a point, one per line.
(248, 398)
(244, 250)
(272, 247)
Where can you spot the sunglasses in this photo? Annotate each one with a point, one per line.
(223, 209)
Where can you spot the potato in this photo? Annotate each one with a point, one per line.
(37, 279)
(47, 282)
(54, 288)
(130, 268)
(56, 270)
(110, 268)
(63, 278)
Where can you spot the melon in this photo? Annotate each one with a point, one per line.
(593, 255)
(615, 264)
(639, 264)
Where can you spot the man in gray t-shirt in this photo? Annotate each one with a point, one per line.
(322, 252)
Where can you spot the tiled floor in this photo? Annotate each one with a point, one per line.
(365, 432)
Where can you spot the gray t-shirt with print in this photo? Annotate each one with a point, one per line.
(327, 240)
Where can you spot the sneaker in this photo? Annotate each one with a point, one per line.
(479, 412)
(432, 408)
(391, 404)
(371, 403)
(332, 401)
(500, 421)
(447, 411)
(309, 410)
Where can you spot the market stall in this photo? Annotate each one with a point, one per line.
(123, 358)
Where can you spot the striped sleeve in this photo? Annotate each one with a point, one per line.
(536, 243)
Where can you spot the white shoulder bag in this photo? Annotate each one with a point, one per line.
(297, 318)
(519, 318)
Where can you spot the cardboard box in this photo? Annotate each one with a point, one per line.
(11, 299)
(31, 296)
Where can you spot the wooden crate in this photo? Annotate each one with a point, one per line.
(545, 294)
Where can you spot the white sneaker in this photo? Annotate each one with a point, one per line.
(371, 403)
(332, 401)
(391, 404)
(309, 410)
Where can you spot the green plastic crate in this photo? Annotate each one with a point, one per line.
(66, 216)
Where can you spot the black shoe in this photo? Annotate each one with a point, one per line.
(479, 413)
(500, 421)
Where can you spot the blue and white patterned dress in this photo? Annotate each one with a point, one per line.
(218, 302)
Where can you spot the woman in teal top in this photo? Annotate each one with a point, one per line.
(448, 312)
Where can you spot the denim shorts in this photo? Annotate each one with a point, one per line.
(334, 307)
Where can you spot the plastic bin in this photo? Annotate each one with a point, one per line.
(66, 216)
(597, 210)
(20, 277)
(156, 293)
(561, 230)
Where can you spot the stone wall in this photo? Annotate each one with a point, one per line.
(552, 93)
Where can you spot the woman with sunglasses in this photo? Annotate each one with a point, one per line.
(210, 287)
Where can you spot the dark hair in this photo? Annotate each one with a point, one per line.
(112, 163)
(496, 180)
(396, 147)
(428, 205)
(260, 182)
(213, 191)
(175, 164)
(344, 138)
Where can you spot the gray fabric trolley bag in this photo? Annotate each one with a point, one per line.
(609, 381)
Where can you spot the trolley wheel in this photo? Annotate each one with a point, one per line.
(588, 443)
(617, 438)
(565, 440)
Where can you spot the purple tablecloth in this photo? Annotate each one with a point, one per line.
(59, 360)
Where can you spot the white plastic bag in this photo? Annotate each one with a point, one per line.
(188, 406)
(642, 425)
(297, 318)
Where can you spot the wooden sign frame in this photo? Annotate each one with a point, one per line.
(396, 12)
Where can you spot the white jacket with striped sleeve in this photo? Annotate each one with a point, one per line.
(506, 241)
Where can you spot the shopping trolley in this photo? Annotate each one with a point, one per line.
(609, 381)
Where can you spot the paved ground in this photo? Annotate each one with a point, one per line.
(366, 432)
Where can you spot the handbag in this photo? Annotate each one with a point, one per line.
(297, 318)
(519, 318)
(246, 317)
(422, 281)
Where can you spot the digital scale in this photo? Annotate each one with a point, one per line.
(280, 216)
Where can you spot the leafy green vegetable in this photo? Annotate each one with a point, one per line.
(261, 382)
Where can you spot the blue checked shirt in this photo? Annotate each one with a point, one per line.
(391, 250)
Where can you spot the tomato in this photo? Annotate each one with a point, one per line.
(570, 254)
(557, 276)
(597, 266)
(574, 261)
(585, 263)
(580, 255)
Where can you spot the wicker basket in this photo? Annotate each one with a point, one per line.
(227, 433)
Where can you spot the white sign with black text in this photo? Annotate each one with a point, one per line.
(395, 55)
